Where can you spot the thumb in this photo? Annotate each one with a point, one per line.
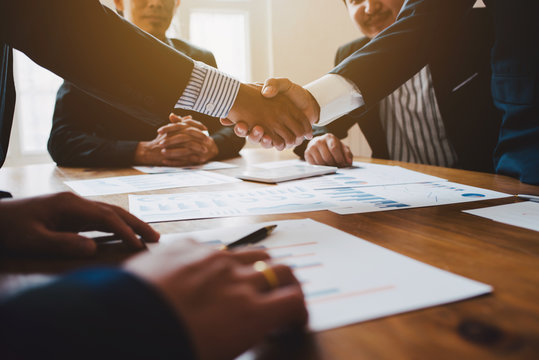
(274, 86)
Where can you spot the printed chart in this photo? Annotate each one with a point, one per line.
(346, 279)
(283, 199)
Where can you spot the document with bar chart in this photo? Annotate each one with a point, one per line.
(347, 279)
(294, 198)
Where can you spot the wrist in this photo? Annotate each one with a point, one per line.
(143, 154)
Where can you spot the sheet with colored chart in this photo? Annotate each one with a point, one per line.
(283, 199)
(346, 279)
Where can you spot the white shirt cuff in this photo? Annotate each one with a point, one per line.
(336, 96)
(209, 91)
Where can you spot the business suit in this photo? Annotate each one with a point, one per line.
(460, 69)
(403, 49)
(94, 60)
(103, 136)
(47, 33)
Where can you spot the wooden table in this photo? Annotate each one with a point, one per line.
(504, 324)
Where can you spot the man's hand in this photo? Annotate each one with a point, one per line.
(277, 116)
(180, 143)
(225, 304)
(328, 150)
(50, 225)
(300, 97)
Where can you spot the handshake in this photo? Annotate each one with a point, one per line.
(278, 113)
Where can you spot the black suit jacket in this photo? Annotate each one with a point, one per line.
(89, 132)
(460, 69)
(92, 47)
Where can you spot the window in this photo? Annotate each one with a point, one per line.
(236, 31)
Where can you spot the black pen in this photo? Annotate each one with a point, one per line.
(252, 238)
(115, 238)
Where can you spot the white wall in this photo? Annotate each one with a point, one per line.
(305, 36)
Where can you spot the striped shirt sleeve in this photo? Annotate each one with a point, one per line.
(209, 91)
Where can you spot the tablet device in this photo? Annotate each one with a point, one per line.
(285, 173)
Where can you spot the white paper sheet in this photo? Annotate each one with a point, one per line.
(200, 205)
(135, 183)
(284, 199)
(346, 279)
(366, 174)
(213, 165)
(523, 214)
(382, 198)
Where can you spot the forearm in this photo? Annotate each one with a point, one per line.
(83, 50)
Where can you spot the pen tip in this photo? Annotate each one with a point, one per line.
(270, 228)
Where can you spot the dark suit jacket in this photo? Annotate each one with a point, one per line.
(97, 50)
(88, 132)
(460, 69)
(403, 49)
(89, 45)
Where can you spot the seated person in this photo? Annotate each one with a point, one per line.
(442, 116)
(89, 132)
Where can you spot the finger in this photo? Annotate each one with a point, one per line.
(283, 275)
(249, 256)
(66, 244)
(241, 131)
(178, 153)
(146, 232)
(315, 155)
(226, 122)
(349, 157)
(189, 135)
(106, 218)
(278, 142)
(195, 124)
(172, 127)
(266, 142)
(243, 128)
(325, 153)
(174, 118)
(256, 134)
(336, 150)
(284, 307)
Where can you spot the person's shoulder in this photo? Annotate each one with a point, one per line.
(193, 51)
(349, 48)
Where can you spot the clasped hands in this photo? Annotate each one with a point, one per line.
(278, 113)
(182, 142)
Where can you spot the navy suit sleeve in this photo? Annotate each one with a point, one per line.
(89, 45)
(401, 50)
(93, 314)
